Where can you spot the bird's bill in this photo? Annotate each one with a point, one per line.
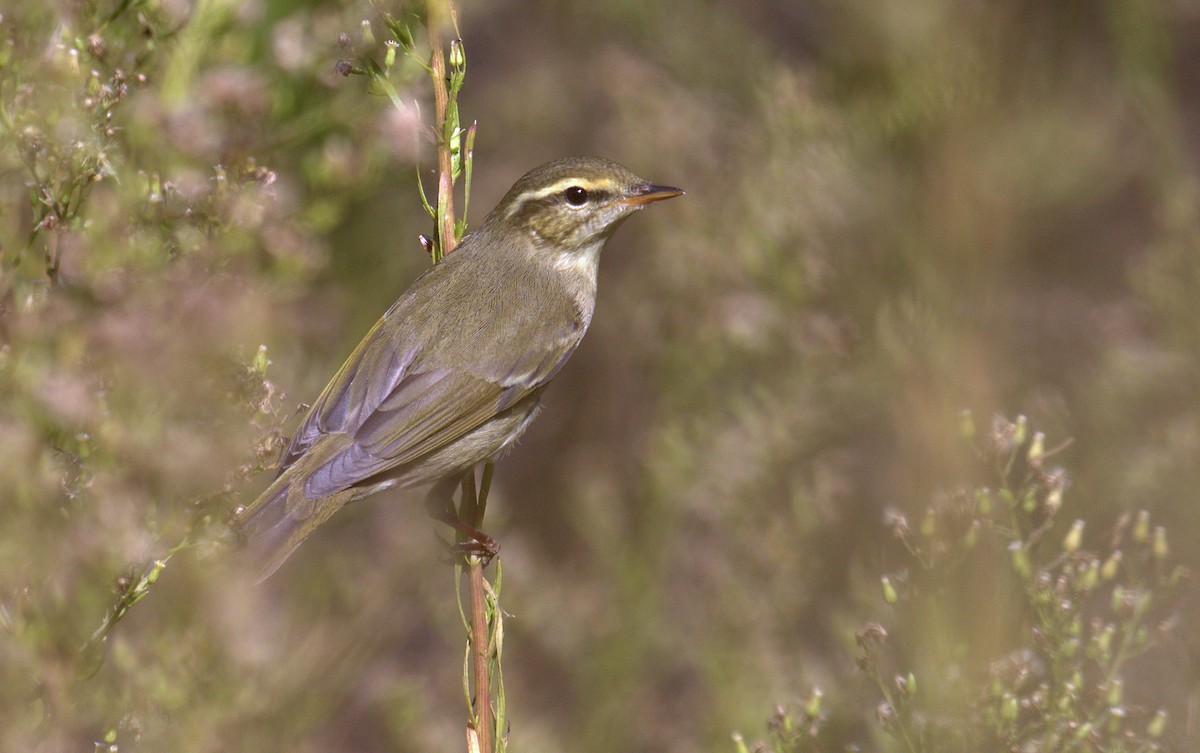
(650, 193)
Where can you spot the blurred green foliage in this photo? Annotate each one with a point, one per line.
(895, 211)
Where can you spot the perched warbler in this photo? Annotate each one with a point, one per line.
(452, 374)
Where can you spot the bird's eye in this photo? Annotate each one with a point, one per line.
(576, 196)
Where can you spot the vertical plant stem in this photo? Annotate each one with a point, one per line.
(470, 511)
(441, 100)
(479, 650)
(481, 718)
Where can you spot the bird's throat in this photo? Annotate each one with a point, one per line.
(578, 269)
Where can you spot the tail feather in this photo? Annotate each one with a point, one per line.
(282, 517)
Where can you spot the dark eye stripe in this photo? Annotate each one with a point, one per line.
(534, 207)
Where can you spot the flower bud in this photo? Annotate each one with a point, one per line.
(812, 709)
(929, 523)
(1009, 707)
(458, 56)
(1111, 565)
(1141, 529)
(261, 362)
(1054, 499)
(155, 570)
(1089, 578)
(1037, 450)
(1084, 731)
(1118, 598)
(1157, 725)
(1074, 537)
(889, 591)
(1159, 546)
(1115, 691)
(1116, 719)
(983, 498)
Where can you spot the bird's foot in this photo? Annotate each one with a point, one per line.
(478, 543)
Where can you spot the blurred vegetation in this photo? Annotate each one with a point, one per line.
(1084, 616)
(896, 211)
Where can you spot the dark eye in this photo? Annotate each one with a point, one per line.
(576, 196)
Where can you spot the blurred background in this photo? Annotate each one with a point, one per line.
(896, 211)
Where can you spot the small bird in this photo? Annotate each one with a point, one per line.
(452, 374)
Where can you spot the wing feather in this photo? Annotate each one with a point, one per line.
(410, 388)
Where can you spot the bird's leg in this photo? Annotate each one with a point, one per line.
(439, 505)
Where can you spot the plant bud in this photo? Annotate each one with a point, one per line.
(813, 708)
(155, 571)
(1054, 499)
(1037, 450)
(889, 591)
(1157, 725)
(1141, 529)
(1116, 719)
(1009, 707)
(1074, 537)
(261, 362)
(1029, 501)
(1090, 577)
(1115, 692)
(1159, 547)
(368, 34)
(1111, 565)
(983, 498)
(929, 523)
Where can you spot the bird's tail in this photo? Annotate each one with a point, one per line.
(282, 517)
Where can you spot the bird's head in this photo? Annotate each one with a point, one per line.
(574, 204)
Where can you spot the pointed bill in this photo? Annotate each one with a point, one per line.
(650, 193)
